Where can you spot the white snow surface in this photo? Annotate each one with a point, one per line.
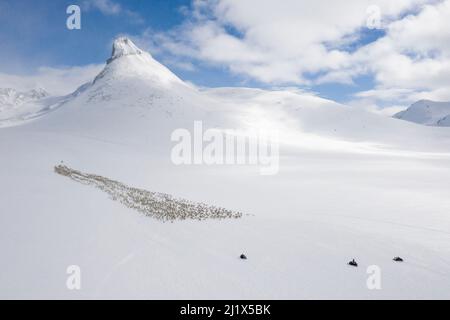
(351, 184)
(427, 112)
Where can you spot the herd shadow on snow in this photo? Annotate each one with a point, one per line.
(161, 206)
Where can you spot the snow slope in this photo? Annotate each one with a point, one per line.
(427, 112)
(351, 185)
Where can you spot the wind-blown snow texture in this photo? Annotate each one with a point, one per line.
(351, 184)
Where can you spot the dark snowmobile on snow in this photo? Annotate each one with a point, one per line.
(353, 263)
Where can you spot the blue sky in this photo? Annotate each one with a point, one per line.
(34, 32)
(224, 42)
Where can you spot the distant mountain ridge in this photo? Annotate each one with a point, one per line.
(428, 113)
(21, 106)
(10, 98)
(130, 78)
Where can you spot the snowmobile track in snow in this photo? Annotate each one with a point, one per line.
(157, 205)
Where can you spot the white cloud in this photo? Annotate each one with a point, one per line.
(303, 43)
(57, 81)
(111, 8)
(107, 7)
(412, 61)
(276, 42)
(370, 106)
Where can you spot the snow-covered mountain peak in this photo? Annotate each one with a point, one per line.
(427, 112)
(127, 61)
(132, 85)
(123, 46)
